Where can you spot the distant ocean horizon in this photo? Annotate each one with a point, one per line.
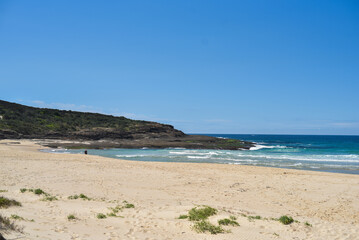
(327, 153)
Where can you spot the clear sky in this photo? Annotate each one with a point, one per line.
(282, 67)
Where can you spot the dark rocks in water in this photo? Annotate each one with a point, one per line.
(188, 142)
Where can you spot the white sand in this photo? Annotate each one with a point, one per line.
(163, 191)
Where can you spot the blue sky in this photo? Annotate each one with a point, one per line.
(282, 67)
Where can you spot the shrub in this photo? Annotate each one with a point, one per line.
(227, 221)
(286, 220)
(49, 198)
(38, 191)
(71, 217)
(82, 196)
(7, 225)
(5, 202)
(129, 205)
(16, 217)
(205, 226)
(254, 217)
(202, 213)
(101, 216)
(183, 217)
(73, 197)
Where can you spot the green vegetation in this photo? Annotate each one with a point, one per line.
(7, 225)
(38, 191)
(16, 217)
(228, 221)
(82, 196)
(308, 224)
(201, 213)
(286, 220)
(101, 216)
(204, 226)
(3, 191)
(5, 202)
(129, 205)
(29, 121)
(254, 217)
(49, 198)
(71, 217)
(200, 216)
(118, 208)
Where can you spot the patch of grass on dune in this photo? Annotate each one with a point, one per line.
(201, 213)
(119, 208)
(16, 217)
(205, 226)
(38, 191)
(286, 220)
(82, 196)
(71, 217)
(7, 225)
(200, 216)
(49, 198)
(101, 216)
(254, 217)
(6, 203)
(229, 221)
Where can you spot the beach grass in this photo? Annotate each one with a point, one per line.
(200, 216)
(71, 217)
(203, 226)
(49, 198)
(254, 217)
(228, 221)
(201, 213)
(39, 191)
(7, 225)
(308, 224)
(6, 202)
(286, 220)
(16, 217)
(101, 216)
(81, 195)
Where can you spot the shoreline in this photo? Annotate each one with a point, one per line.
(315, 169)
(163, 191)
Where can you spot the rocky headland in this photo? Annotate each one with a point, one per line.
(71, 129)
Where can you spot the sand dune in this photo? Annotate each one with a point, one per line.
(161, 192)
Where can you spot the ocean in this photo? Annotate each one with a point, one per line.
(307, 152)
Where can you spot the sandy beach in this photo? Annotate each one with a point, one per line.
(161, 192)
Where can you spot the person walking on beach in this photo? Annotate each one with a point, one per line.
(85, 152)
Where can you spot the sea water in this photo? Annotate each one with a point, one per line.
(318, 153)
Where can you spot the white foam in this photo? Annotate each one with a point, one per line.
(202, 157)
(133, 155)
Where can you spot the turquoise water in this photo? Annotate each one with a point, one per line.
(318, 153)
